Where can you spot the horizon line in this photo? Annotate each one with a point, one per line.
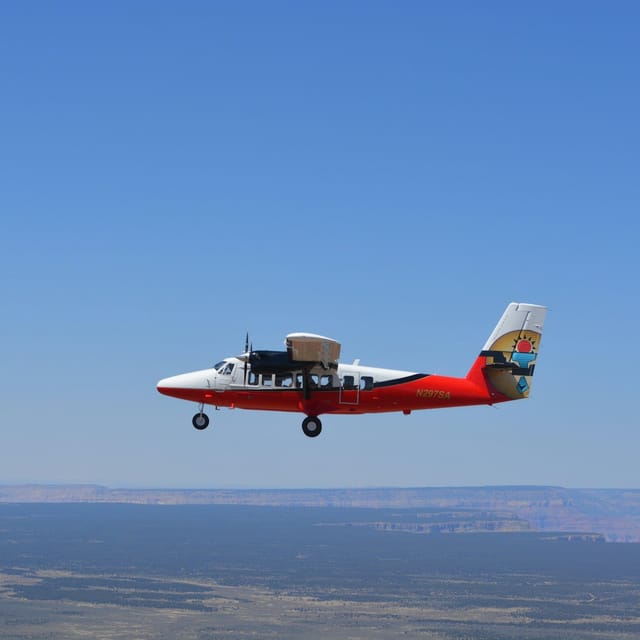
(279, 488)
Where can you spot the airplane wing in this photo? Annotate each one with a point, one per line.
(309, 347)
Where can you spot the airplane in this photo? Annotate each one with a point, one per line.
(307, 377)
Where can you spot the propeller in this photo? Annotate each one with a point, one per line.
(246, 347)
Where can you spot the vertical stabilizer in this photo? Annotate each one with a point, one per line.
(509, 356)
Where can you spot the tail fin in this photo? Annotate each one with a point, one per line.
(508, 358)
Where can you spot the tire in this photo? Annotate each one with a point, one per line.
(200, 421)
(311, 426)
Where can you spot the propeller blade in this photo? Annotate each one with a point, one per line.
(246, 348)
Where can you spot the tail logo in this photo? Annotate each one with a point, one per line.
(524, 356)
(511, 362)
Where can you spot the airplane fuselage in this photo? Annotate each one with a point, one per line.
(348, 389)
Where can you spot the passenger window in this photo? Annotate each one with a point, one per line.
(284, 380)
(267, 380)
(348, 383)
(325, 382)
(253, 378)
(313, 381)
(299, 381)
(366, 383)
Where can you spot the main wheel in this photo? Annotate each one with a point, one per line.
(200, 421)
(311, 426)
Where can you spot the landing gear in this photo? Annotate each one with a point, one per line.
(311, 426)
(200, 421)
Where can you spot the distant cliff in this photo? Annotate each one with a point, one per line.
(613, 513)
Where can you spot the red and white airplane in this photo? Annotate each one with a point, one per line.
(307, 377)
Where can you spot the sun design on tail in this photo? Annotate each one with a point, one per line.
(524, 352)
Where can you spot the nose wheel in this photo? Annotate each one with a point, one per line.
(311, 426)
(200, 421)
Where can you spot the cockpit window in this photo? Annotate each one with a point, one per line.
(224, 368)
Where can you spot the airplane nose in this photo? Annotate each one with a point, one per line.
(184, 381)
(168, 386)
(166, 383)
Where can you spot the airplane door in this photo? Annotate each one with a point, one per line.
(242, 378)
(350, 388)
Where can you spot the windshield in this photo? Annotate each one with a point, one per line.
(224, 368)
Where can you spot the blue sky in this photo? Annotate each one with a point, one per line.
(388, 174)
